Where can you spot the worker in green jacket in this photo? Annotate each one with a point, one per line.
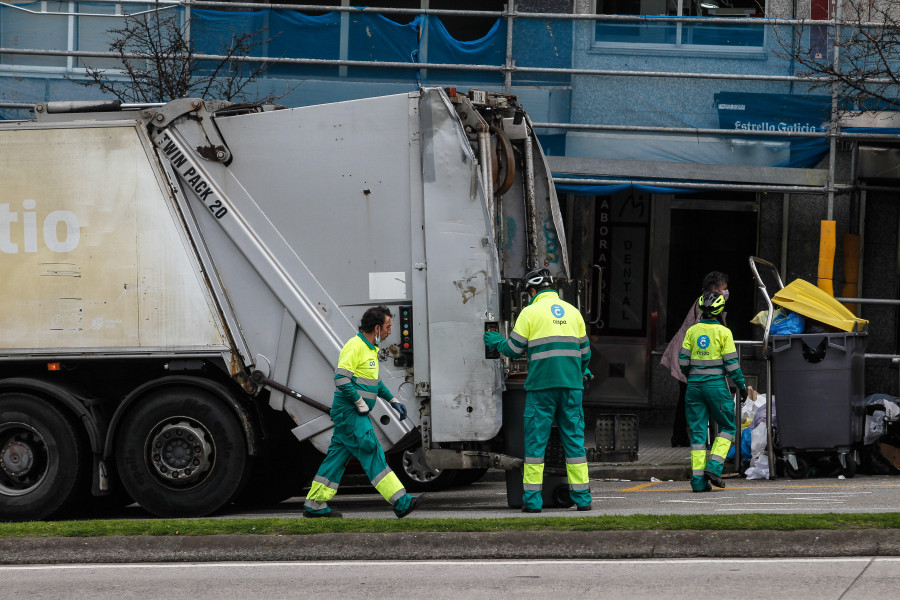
(358, 387)
(707, 356)
(552, 333)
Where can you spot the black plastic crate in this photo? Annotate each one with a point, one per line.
(617, 438)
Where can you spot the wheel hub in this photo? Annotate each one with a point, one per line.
(415, 467)
(180, 452)
(23, 459)
(16, 458)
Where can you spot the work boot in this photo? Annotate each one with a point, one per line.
(714, 479)
(708, 488)
(326, 515)
(413, 505)
(583, 508)
(526, 509)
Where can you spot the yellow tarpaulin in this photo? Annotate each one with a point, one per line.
(806, 299)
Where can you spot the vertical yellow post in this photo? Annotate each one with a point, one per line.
(851, 270)
(827, 243)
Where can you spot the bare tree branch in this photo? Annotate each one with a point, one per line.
(866, 43)
(158, 62)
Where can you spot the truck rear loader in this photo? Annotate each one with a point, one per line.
(178, 281)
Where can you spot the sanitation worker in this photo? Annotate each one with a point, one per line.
(553, 334)
(707, 355)
(358, 386)
(714, 281)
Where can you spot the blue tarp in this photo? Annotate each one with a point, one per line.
(609, 190)
(487, 50)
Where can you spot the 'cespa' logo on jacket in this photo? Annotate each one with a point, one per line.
(703, 341)
(558, 312)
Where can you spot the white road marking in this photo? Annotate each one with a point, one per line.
(469, 563)
(810, 493)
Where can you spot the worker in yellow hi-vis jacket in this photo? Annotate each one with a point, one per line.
(551, 333)
(357, 388)
(707, 355)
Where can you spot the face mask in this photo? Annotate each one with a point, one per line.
(377, 339)
(725, 294)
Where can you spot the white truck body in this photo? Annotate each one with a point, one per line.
(235, 249)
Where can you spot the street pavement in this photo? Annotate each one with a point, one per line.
(487, 499)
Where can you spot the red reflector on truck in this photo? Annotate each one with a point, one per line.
(53, 366)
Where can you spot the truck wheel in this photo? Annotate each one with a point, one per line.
(415, 475)
(181, 453)
(43, 460)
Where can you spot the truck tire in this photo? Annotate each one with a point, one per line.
(181, 453)
(415, 475)
(43, 460)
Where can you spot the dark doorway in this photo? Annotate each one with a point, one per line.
(712, 235)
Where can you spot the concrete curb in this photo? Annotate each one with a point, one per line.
(449, 546)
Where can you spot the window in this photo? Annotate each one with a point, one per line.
(739, 35)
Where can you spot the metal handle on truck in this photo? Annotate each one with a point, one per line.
(258, 378)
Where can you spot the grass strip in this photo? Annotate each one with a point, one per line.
(182, 527)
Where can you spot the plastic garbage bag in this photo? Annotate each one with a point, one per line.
(758, 440)
(759, 468)
(880, 409)
(759, 462)
(785, 322)
(752, 404)
(874, 427)
(760, 415)
(745, 445)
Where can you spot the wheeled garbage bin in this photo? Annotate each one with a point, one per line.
(555, 490)
(816, 378)
(818, 382)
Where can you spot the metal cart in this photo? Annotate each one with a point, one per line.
(819, 378)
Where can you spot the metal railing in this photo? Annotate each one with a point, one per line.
(508, 69)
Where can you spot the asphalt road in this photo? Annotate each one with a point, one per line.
(487, 499)
(794, 579)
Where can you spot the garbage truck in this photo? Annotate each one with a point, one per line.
(179, 279)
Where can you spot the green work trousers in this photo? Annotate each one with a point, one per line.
(702, 401)
(354, 437)
(542, 407)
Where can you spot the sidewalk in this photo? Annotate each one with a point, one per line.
(656, 459)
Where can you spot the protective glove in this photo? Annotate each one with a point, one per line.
(361, 406)
(588, 376)
(400, 408)
(493, 339)
(743, 392)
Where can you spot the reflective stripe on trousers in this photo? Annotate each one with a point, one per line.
(542, 407)
(354, 436)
